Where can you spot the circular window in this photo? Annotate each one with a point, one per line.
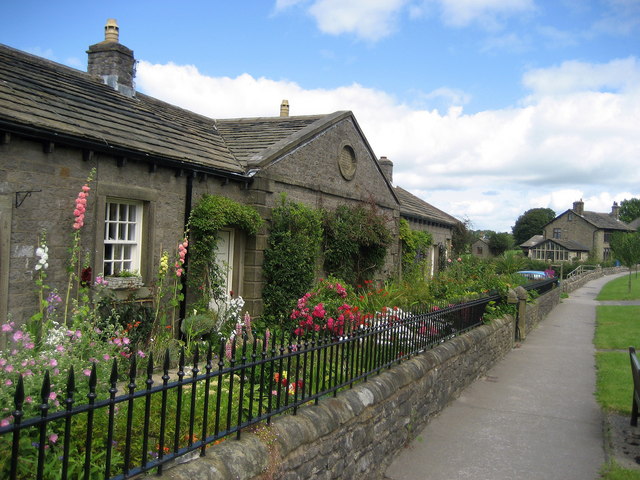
(347, 162)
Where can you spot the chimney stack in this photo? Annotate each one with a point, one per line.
(615, 210)
(112, 62)
(578, 207)
(284, 108)
(386, 166)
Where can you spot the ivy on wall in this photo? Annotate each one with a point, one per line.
(415, 251)
(291, 256)
(212, 213)
(355, 242)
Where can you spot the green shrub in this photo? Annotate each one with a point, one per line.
(355, 242)
(290, 258)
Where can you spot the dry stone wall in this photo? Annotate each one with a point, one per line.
(356, 434)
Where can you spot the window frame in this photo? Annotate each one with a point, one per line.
(135, 258)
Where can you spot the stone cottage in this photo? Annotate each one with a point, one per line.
(577, 234)
(153, 162)
(423, 216)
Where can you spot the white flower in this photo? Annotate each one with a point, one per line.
(43, 257)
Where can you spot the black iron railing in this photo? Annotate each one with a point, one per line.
(137, 423)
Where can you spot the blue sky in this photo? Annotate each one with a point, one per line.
(486, 107)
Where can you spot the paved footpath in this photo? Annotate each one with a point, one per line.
(532, 417)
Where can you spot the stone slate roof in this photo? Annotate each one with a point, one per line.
(43, 96)
(634, 224)
(44, 99)
(412, 206)
(533, 241)
(604, 221)
(568, 244)
(256, 141)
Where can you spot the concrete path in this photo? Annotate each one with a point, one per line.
(532, 417)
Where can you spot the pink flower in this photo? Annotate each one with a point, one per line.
(53, 438)
(53, 396)
(141, 354)
(106, 356)
(8, 382)
(53, 362)
(8, 368)
(80, 207)
(228, 349)
(5, 422)
(17, 336)
(87, 372)
(6, 327)
(319, 311)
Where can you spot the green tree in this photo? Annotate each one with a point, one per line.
(629, 209)
(462, 237)
(626, 248)
(530, 223)
(500, 242)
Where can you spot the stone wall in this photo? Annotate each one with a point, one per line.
(356, 434)
(569, 285)
(538, 310)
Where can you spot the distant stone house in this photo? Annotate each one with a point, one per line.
(578, 234)
(423, 216)
(153, 162)
(480, 249)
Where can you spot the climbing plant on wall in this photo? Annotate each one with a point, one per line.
(291, 256)
(415, 250)
(212, 213)
(355, 242)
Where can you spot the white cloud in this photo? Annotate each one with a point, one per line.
(373, 20)
(367, 19)
(567, 141)
(486, 13)
(572, 76)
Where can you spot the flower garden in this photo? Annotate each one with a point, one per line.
(163, 387)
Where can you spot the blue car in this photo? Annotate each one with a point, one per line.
(533, 274)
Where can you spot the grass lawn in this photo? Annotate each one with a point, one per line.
(618, 289)
(615, 472)
(614, 385)
(617, 327)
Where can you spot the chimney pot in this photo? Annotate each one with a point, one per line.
(111, 31)
(284, 108)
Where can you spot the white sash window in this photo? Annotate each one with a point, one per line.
(122, 235)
